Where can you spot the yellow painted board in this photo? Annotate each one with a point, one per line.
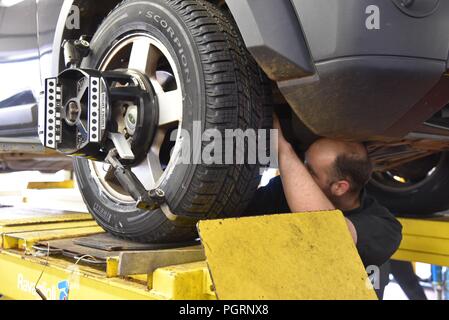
(112, 267)
(424, 257)
(24, 240)
(43, 218)
(18, 276)
(139, 277)
(43, 227)
(425, 244)
(290, 256)
(436, 227)
(189, 281)
(48, 226)
(68, 184)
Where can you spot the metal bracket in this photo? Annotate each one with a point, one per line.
(146, 200)
(75, 51)
(122, 146)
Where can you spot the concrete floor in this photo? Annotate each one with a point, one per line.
(394, 292)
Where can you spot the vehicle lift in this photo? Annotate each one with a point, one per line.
(66, 255)
(48, 254)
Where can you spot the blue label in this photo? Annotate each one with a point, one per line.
(63, 287)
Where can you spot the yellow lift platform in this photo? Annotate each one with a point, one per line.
(51, 254)
(64, 255)
(425, 240)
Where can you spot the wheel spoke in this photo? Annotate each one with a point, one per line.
(150, 170)
(159, 138)
(170, 106)
(155, 165)
(110, 174)
(155, 55)
(140, 53)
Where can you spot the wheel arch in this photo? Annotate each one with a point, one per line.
(270, 46)
(90, 21)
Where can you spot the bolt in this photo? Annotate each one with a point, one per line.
(82, 43)
(160, 193)
(157, 193)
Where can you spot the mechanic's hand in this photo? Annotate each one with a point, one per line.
(282, 142)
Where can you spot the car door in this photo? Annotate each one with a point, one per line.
(19, 69)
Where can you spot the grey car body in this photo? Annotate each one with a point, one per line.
(353, 69)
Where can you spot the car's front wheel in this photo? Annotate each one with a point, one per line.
(201, 72)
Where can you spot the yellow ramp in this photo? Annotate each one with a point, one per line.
(290, 256)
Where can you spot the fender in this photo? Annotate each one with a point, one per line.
(59, 36)
(90, 20)
(274, 36)
(271, 30)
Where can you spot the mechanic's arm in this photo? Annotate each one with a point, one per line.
(301, 191)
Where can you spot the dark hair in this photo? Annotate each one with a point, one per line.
(356, 168)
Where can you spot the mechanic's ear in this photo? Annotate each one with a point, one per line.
(340, 187)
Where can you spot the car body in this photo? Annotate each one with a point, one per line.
(335, 71)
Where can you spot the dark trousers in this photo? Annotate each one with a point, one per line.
(404, 275)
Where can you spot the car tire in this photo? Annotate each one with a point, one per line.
(223, 88)
(424, 194)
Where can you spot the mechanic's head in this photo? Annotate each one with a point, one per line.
(341, 169)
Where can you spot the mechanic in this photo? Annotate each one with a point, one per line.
(333, 176)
